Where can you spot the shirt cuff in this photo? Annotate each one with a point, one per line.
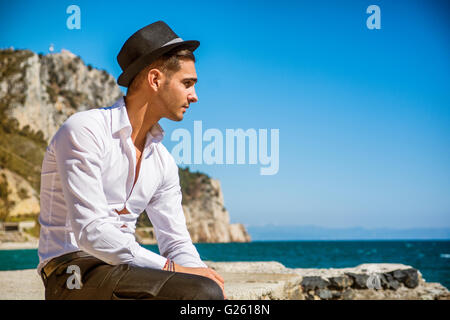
(148, 259)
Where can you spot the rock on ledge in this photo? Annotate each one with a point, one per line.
(271, 280)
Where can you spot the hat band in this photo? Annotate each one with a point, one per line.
(176, 40)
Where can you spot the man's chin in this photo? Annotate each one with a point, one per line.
(177, 118)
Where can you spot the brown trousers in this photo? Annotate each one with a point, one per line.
(101, 281)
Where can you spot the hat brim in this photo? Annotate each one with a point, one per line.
(128, 75)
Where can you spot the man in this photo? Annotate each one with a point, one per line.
(104, 167)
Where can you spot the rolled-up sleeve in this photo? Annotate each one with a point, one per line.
(166, 214)
(79, 149)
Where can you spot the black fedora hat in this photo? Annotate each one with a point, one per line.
(145, 46)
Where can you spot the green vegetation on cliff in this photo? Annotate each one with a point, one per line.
(21, 149)
(191, 183)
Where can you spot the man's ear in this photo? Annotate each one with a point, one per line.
(154, 79)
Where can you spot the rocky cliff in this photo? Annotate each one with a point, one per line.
(22, 199)
(42, 91)
(206, 216)
(37, 94)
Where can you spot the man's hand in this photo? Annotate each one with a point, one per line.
(205, 272)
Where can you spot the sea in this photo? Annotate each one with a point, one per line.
(430, 257)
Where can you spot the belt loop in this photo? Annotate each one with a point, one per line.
(44, 277)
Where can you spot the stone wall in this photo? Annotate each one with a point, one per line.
(272, 281)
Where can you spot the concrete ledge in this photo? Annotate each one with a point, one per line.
(21, 285)
(271, 280)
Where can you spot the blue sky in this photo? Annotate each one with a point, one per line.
(363, 115)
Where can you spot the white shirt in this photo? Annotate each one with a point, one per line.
(88, 172)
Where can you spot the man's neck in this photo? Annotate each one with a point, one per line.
(141, 118)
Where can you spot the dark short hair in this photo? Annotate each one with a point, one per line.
(168, 63)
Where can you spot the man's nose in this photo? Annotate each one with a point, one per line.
(192, 97)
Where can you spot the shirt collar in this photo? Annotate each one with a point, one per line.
(120, 121)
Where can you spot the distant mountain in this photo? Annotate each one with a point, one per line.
(310, 232)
